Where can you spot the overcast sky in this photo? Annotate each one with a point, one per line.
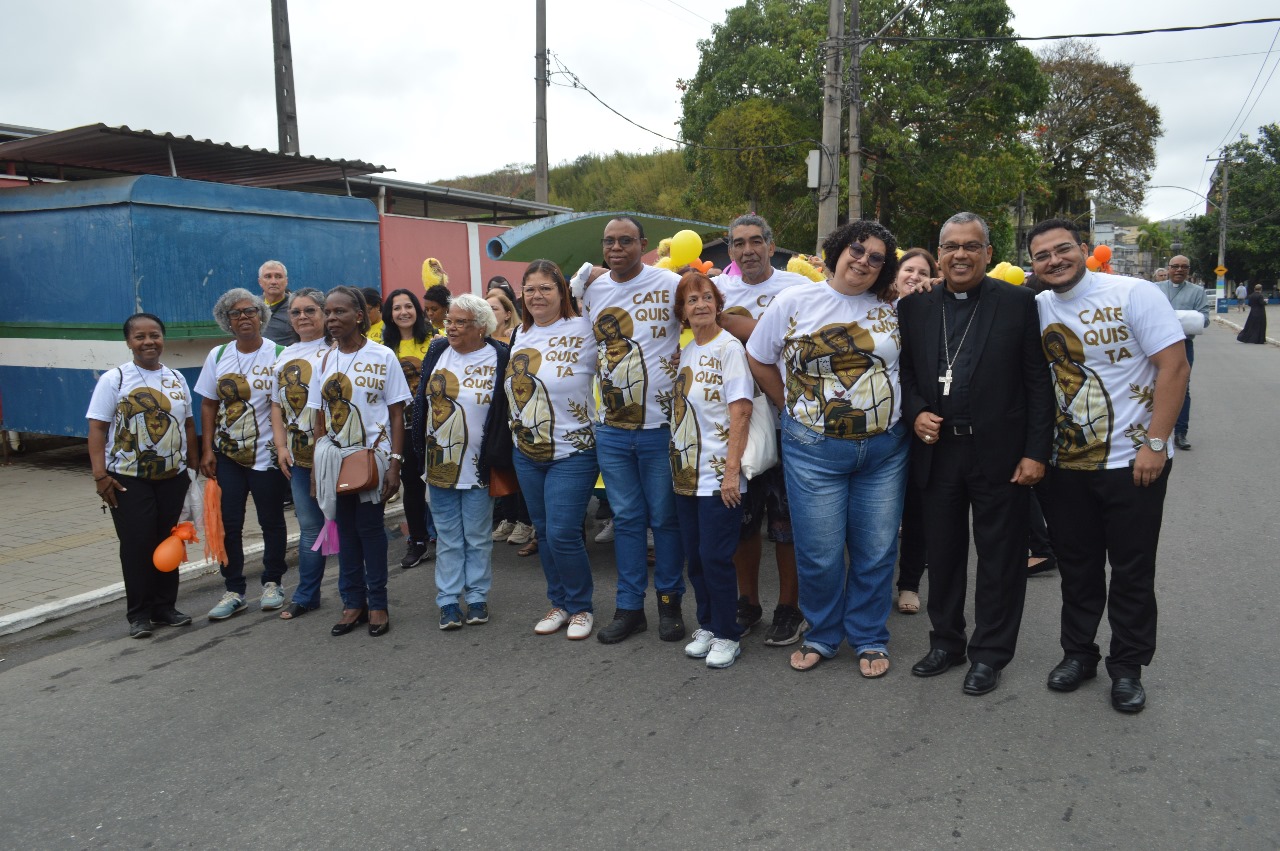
(440, 89)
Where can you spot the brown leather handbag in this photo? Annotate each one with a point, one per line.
(359, 472)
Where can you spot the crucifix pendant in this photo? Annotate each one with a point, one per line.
(945, 381)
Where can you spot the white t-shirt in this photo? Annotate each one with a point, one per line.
(549, 387)
(710, 377)
(459, 392)
(241, 383)
(840, 358)
(638, 346)
(1099, 339)
(355, 389)
(746, 299)
(295, 368)
(148, 412)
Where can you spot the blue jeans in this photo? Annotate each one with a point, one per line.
(464, 546)
(637, 475)
(362, 553)
(1184, 416)
(845, 494)
(710, 531)
(268, 488)
(565, 486)
(310, 521)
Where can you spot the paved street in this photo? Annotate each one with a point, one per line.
(256, 732)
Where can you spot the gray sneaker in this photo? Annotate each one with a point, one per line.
(230, 603)
(272, 597)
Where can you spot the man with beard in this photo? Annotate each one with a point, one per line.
(1104, 497)
(1184, 295)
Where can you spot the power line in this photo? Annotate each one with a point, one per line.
(691, 12)
(1259, 97)
(1202, 58)
(1012, 38)
(1231, 127)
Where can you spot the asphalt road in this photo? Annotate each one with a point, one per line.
(260, 733)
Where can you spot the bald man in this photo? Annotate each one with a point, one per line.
(1184, 295)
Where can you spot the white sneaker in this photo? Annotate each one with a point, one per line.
(272, 597)
(701, 644)
(580, 626)
(551, 622)
(722, 653)
(605, 535)
(520, 535)
(503, 530)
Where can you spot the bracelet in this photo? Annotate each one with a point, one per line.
(396, 456)
(100, 478)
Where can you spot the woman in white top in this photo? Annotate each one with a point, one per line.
(235, 415)
(142, 441)
(710, 413)
(358, 395)
(549, 392)
(291, 424)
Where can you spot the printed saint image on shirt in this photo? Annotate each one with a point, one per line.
(1082, 438)
(346, 426)
(446, 429)
(839, 385)
(295, 378)
(532, 415)
(236, 433)
(148, 435)
(686, 437)
(412, 371)
(624, 380)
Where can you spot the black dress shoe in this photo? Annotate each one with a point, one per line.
(1128, 695)
(981, 679)
(172, 617)
(376, 629)
(936, 662)
(342, 628)
(1180, 441)
(625, 623)
(140, 629)
(1069, 673)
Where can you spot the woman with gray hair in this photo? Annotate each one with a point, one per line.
(460, 430)
(238, 448)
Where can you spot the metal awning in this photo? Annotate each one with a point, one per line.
(124, 150)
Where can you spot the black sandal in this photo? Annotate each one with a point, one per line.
(870, 656)
(293, 610)
(806, 650)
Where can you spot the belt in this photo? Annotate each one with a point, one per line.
(958, 430)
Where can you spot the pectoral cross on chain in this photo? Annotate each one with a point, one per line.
(945, 381)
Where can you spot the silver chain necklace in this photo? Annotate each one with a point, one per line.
(946, 379)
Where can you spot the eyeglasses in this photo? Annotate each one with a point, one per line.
(1060, 251)
(874, 259)
(303, 311)
(621, 242)
(457, 323)
(1179, 265)
(969, 247)
(245, 312)
(542, 290)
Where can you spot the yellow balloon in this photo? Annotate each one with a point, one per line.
(665, 263)
(1000, 269)
(686, 246)
(1016, 275)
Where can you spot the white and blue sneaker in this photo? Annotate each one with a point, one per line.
(723, 653)
(230, 603)
(701, 644)
(272, 597)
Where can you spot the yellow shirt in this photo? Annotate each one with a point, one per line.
(375, 332)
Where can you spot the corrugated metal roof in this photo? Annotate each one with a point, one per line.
(122, 149)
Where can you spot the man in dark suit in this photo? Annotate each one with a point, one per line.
(980, 401)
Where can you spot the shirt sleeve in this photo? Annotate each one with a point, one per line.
(738, 383)
(1153, 321)
(102, 405)
(313, 389)
(766, 340)
(207, 382)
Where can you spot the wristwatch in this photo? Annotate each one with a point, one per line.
(1155, 444)
(396, 456)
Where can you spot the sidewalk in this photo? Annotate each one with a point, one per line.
(1235, 319)
(58, 554)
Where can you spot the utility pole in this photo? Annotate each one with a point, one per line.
(286, 101)
(829, 169)
(1222, 223)
(855, 112)
(1022, 211)
(541, 174)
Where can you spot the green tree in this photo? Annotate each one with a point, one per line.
(943, 123)
(1096, 133)
(1153, 239)
(1253, 213)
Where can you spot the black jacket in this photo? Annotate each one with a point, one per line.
(1010, 395)
(278, 328)
(496, 445)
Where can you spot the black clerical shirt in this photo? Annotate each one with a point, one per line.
(959, 310)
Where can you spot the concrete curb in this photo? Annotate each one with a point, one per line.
(45, 612)
(1271, 341)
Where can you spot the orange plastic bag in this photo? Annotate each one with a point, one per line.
(214, 536)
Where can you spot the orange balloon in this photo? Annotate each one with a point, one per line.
(186, 530)
(1103, 253)
(1092, 263)
(703, 266)
(171, 553)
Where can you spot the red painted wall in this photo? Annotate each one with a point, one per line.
(407, 241)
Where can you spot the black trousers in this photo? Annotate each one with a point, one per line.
(1038, 541)
(1097, 516)
(1000, 511)
(146, 512)
(911, 554)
